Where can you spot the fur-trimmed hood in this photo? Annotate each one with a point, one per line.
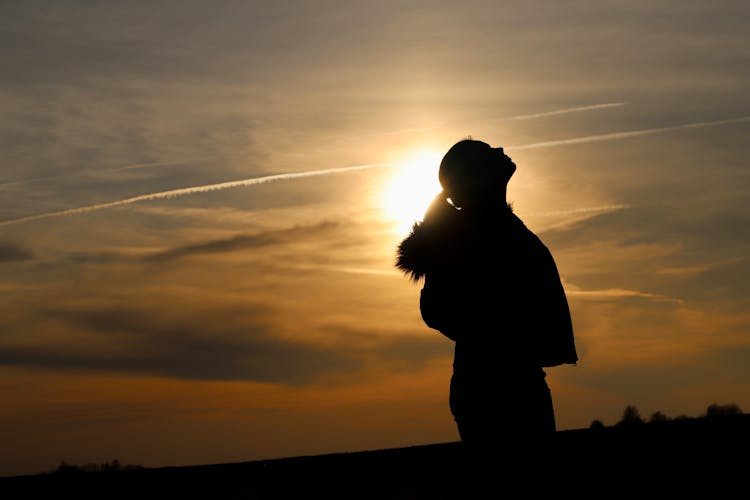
(416, 253)
(441, 235)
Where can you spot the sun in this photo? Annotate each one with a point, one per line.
(411, 189)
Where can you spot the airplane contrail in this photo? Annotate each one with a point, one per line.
(584, 210)
(173, 193)
(530, 116)
(312, 173)
(590, 107)
(133, 166)
(152, 164)
(626, 135)
(615, 293)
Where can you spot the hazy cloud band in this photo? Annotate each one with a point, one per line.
(626, 135)
(565, 111)
(173, 193)
(312, 173)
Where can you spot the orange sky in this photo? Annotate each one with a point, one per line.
(192, 272)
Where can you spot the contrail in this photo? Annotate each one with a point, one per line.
(133, 166)
(573, 211)
(566, 111)
(278, 177)
(614, 293)
(173, 193)
(530, 116)
(626, 135)
(153, 164)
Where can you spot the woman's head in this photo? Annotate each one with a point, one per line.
(474, 172)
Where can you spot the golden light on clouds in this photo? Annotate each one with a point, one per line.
(411, 188)
(198, 233)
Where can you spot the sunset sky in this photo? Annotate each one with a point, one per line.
(200, 204)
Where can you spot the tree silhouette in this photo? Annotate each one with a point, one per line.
(92, 467)
(596, 424)
(717, 410)
(658, 416)
(631, 416)
(112, 466)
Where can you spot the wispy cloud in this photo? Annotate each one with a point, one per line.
(565, 111)
(156, 164)
(212, 343)
(701, 268)
(181, 349)
(12, 252)
(683, 271)
(582, 210)
(529, 116)
(628, 134)
(133, 166)
(242, 242)
(174, 193)
(618, 293)
(351, 270)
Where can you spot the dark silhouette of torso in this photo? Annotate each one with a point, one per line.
(493, 287)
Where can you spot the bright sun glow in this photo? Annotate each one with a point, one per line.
(413, 186)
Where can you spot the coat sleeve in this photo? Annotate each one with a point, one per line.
(437, 306)
(556, 345)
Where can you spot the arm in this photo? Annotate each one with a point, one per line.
(437, 306)
(556, 325)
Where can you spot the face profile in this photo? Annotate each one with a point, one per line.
(505, 164)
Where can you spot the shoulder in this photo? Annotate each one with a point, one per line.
(534, 246)
(417, 251)
(524, 232)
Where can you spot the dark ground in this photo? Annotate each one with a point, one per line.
(691, 457)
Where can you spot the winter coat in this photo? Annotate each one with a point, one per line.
(492, 286)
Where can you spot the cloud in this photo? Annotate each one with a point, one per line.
(628, 134)
(566, 111)
(543, 114)
(653, 255)
(187, 355)
(244, 242)
(683, 271)
(582, 210)
(725, 283)
(216, 343)
(174, 193)
(12, 252)
(198, 345)
(158, 164)
(618, 293)
(350, 270)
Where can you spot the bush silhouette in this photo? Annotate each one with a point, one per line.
(658, 416)
(717, 410)
(631, 416)
(596, 424)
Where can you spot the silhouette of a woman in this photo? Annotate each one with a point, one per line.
(491, 286)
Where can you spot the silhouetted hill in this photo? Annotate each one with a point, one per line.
(686, 456)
